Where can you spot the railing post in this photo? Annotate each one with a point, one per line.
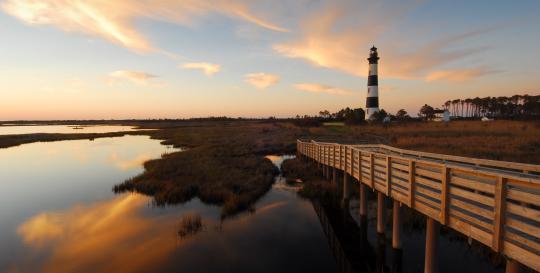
(360, 167)
(372, 170)
(411, 182)
(445, 179)
(500, 209)
(388, 175)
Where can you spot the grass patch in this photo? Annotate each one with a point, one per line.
(314, 186)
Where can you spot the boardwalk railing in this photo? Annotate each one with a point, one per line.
(496, 203)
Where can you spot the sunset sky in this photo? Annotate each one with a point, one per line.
(101, 59)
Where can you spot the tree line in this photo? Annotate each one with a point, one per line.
(514, 107)
(517, 106)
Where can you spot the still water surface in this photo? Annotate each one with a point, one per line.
(58, 214)
(62, 129)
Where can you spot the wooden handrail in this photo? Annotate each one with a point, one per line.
(494, 202)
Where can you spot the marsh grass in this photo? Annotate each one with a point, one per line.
(190, 225)
(314, 186)
(224, 165)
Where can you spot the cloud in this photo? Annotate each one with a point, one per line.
(319, 88)
(261, 80)
(459, 75)
(208, 69)
(139, 78)
(339, 37)
(114, 20)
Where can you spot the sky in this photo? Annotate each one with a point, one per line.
(102, 59)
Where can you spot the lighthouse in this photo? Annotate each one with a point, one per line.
(372, 99)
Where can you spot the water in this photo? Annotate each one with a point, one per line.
(11, 129)
(58, 214)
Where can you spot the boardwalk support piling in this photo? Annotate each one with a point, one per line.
(396, 226)
(363, 200)
(346, 189)
(432, 237)
(513, 266)
(380, 212)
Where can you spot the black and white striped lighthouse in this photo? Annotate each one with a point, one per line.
(372, 100)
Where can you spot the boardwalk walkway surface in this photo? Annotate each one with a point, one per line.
(494, 202)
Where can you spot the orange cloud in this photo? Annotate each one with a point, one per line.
(458, 75)
(340, 37)
(319, 88)
(208, 69)
(113, 20)
(261, 80)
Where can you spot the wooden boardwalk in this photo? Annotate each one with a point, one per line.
(496, 203)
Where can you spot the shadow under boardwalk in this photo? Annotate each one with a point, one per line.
(347, 240)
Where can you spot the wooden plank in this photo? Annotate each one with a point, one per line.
(402, 183)
(401, 167)
(427, 192)
(400, 174)
(433, 204)
(380, 162)
(472, 208)
(400, 190)
(428, 183)
(380, 169)
(445, 173)
(522, 240)
(525, 182)
(521, 255)
(523, 211)
(522, 196)
(474, 185)
(380, 175)
(399, 196)
(411, 183)
(476, 173)
(476, 221)
(428, 173)
(379, 187)
(421, 207)
(523, 227)
(400, 161)
(488, 201)
(470, 230)
(498, 223)
(473, 161)
(425, 164)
